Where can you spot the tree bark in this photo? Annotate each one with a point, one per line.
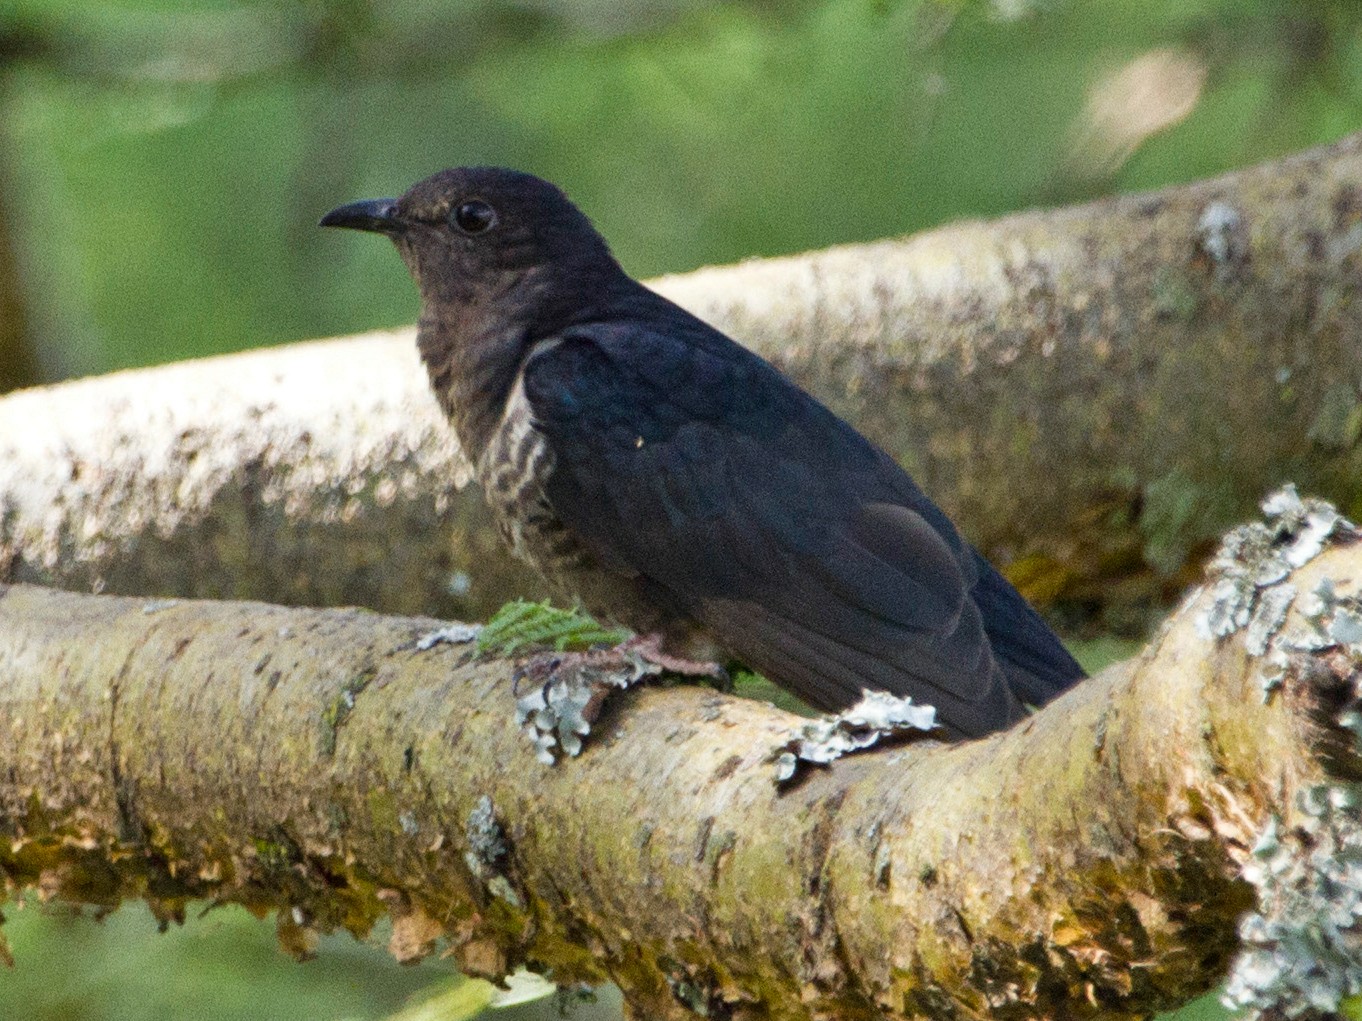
(1089, 862)
(1094, 393)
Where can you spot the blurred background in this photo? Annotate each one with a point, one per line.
(163, 164)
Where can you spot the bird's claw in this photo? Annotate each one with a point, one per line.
(539, 668)
(648, 649)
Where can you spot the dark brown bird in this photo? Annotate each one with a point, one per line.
(676, 483)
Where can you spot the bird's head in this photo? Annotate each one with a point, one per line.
(488, 241)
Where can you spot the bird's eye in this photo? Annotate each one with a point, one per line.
(474, 217)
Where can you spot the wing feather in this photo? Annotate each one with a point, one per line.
(802, 547)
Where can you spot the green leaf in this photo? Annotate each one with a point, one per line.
(520, 625)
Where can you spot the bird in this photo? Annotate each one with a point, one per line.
(669, 480)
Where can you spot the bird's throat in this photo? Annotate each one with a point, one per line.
(472, 372)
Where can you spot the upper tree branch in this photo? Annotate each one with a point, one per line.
(1094, 393)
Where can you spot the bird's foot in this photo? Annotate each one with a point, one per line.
(569, 689)
(593, 667)
(649, 649)
(622, 664)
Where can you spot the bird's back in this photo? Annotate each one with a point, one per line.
(736, 500)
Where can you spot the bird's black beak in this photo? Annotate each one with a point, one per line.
(372, 214)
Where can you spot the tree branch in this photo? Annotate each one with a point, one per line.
(1086, 862)
(1095, 393)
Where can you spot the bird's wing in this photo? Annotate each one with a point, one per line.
(743, 502)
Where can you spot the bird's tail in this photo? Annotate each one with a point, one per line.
(1037, 665)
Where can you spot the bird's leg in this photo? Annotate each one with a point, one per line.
(542, 667)
(649, 649)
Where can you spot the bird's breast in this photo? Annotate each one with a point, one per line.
(514, 470)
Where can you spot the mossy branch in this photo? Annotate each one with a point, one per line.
(332, 765)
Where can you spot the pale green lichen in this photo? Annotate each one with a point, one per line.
(1220, 232)
(1302, 952)
(487, 849)
(335, 714)
(878, 716)
(1251, 591)
(1249, 587)
(558, 713)
(450, 634)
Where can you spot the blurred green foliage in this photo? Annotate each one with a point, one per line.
(221, 967)
(166, 160)
(163, 163)
(225, 966)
